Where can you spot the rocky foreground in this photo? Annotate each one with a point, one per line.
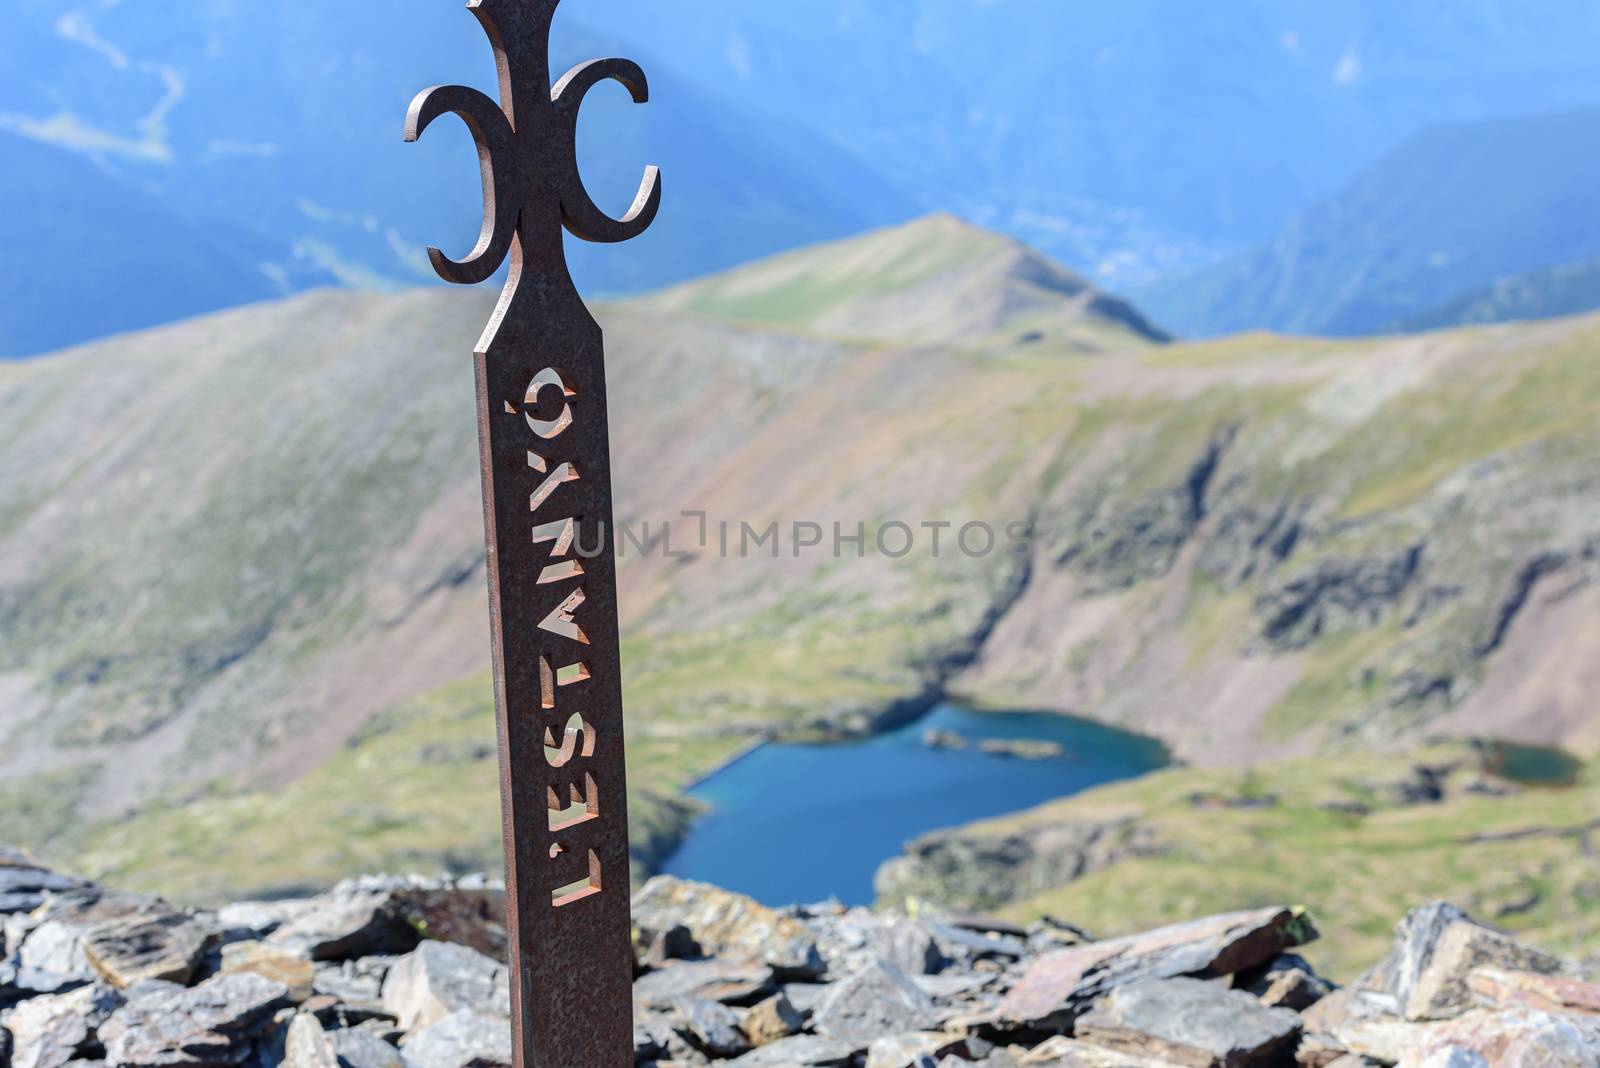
(406, 973)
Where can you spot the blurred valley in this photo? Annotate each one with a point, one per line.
(242, 597)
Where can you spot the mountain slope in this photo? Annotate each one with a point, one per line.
(240, 556)
(1451, 211)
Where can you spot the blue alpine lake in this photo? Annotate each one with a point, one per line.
(803, 823)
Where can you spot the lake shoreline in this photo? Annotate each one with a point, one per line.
(813, 807)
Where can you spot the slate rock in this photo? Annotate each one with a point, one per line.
(52, 1030)
(259, 918)
(1317, 1050)
(1414, 939)
(439, 978)
(52, 956)
(292, 969)
(25, 883)
(383, 915)
(804, 996)
(357, 984)
(1440, 989)
(468, 912)
(798, 1051)
(464, 1039)
(910, 946)
(308, 1045)
(356, 1047)
(878, 1000)
(651, 1034)
(344, 925)
(157, 942)
(914, 1049)
(957, 941)
(51, 959)
(1527, 990)
(1288, 982)
(1191, 1022)
(726, 924)
(711, 1027)
(1061, 985)
(771, 1020)
(1063, 1052)
(1366, 1023)
(163, 1024)
(655, 948)
(1516, 1038)
(730, 982)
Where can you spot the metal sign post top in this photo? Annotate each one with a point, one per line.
(545, 464)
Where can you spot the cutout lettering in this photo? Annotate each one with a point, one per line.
(580, 889)
(560, 620)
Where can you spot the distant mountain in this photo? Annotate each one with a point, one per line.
(937, 280)
(241, 570)
(1569, 289)
(1131, 141)
(1134, 139)
(1451, 212)
(89, 253)
(274, 130)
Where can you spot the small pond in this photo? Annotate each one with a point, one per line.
(808, 822)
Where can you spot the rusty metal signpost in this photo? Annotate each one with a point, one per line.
(545, 460)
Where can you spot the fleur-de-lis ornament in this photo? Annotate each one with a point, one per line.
(545, 460)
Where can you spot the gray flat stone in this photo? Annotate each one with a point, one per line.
(308, 1044)
(380, 915)
(1058, 986)
(1191, 1022)
(915, 1049)
(1440, 991)
(156, 943)
(771, 1020)
(273, 962)
(710, 1027)
(730, 925)
(53, 1030)
(438, 978)
(715, 980)
(910, 946)
(163, 1024)
(465, 1039)
(800, 1051)
(878, 1000)
(356, 1047)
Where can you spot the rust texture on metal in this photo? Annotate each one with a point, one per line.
(548, 527)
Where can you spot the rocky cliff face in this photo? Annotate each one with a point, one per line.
(408, 973)
(240, 565)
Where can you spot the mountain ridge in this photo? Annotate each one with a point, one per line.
(986, 284)
(1452, 210)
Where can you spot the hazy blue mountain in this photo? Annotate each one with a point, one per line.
(1134, 141)
(1568, 289)
(1452, 211)
(88, 254)
(1134, 138)
(283, 121)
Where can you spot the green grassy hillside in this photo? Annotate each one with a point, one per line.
(241, 577)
